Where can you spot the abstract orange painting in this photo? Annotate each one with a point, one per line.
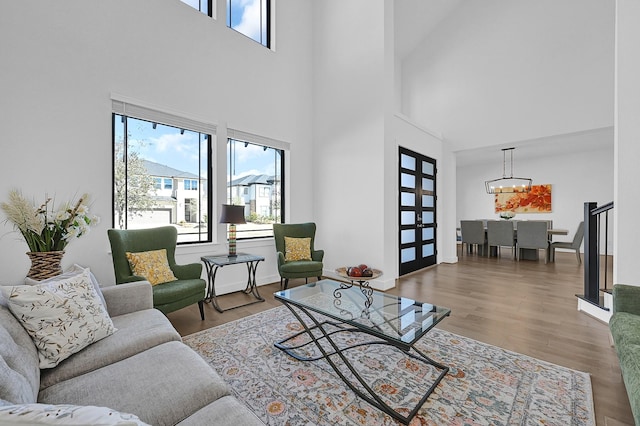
(538, 200)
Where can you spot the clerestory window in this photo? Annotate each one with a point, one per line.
(249, 17)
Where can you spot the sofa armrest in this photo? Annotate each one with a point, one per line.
(126, 298)
(626, 298)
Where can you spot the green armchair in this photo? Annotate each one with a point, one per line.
(188, 289)
(297, 268)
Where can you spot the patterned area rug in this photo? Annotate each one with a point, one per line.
(486, 385)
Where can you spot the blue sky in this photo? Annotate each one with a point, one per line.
(166, 145)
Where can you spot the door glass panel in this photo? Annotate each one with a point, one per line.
(407, 236)
(408, 255)
(427, 201)
(427, 184)
(427, 234)
(408, 181)
(407, 199)
(427, 217)
(427, 250)
(407, 162)
(427, 168)
(407, 218)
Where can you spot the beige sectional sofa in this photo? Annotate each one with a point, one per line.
(142, 369)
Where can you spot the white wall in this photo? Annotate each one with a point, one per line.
(627, 148)
(61, 62)
(497, 71)
(349, 107)
(576, 177)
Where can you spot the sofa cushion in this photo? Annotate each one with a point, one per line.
(226, 411)
(153, 265)
(19, 370)
(164, 385)
(46, 414)
(62, 317)
(137, 332)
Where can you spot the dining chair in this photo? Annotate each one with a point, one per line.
(532, 234)
(573, 245)
(501, 233)
(472, 232)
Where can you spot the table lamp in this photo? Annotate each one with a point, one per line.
(232, 215)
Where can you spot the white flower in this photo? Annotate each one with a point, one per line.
(62, 215)
(82, 210)
(71, 233)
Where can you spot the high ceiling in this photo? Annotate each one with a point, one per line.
(494, 74)
(415, 19)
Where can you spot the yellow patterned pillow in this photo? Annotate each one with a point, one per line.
(153, 265)
(297, 249)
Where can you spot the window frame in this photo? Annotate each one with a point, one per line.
(123, 106)
(265, 143)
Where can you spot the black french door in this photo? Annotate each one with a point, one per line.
(416, 211)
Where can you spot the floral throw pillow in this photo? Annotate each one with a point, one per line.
(62, 317)
(153, 265)
(64, 414)
(297, 249)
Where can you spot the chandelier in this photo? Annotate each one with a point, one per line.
(508, 184)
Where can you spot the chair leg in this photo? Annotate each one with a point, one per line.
(578, 256)
(319, 277)
(286, 283)
(201, 307)
(306, 280)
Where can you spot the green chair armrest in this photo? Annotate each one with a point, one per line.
(626, 298)
(280, 259)
(317, 255)
(187, 272)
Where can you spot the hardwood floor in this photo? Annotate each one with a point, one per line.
(526, 307)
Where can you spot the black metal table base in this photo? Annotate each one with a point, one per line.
(251, 287)
(364, 391)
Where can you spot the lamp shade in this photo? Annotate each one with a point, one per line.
(232, 214)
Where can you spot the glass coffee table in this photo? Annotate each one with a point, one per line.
(327, 309)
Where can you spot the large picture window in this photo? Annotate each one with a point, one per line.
(255, 180)
(161, 176)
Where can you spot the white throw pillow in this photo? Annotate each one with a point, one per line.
(46, 414)
(62, 317)
(75, 269)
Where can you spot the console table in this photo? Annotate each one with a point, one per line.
(212, 263)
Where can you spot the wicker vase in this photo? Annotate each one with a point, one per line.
(45, 264)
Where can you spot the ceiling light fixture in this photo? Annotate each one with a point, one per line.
(508, 184)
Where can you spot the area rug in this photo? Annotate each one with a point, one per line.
(486, 385)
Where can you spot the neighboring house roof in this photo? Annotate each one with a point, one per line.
(160, 170)
(253, 180)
